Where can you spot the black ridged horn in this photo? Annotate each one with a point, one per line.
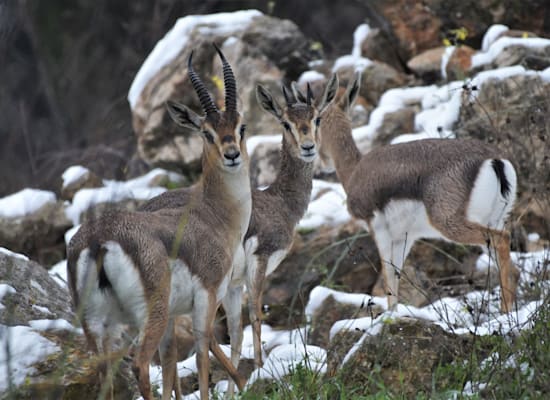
(207, 103)
(309, 95)
(289, 97)
(229, 84)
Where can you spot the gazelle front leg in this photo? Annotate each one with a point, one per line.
(255, 280)
(233, 311)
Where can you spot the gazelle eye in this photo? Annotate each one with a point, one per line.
(286, 125)
(208, 136)
(317, 121)
(242, 131)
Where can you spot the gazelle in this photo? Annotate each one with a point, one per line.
(275, 210)
(458, 190)
(143, 268)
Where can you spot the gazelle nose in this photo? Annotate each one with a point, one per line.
(232, 155)
(308, 146)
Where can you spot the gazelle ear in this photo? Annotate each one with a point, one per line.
(183, 116)
(297, 93)
(330, 92)
(352, 91)
(267, 102)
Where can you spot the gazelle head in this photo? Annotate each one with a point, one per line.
(300, 120)
(337, 116)
(222, 131)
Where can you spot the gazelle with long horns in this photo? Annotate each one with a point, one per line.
(144, 268)
(457, 190)
(275, 210)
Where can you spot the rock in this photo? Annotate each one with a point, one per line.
(87, 179)
(427, 65)
(37, 295)
(344, 256)
(38, 235)
(402, 357)
(394, 124)
(266, 51)
(512, 113)
(378, 78)
(379, 46)
(264, 164)
(458, 65)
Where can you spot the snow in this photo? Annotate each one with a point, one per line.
(73, 174)
(359, 36)
(447, 54)
(254, 141)
(115, 191)
(326, 209)
(496, 47)
(310, 76)
(357, 63)
(25, 202)
(43, 310)
(4, 290)
(176, 39)
(13, 254)
(44, 325)
(59, 273)
(491, 35)
(286, 358)
(20, 348)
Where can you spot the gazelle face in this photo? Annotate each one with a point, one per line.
(224, 142)
(301, 122)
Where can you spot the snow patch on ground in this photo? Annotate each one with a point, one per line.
(25, 202)
(73, 174)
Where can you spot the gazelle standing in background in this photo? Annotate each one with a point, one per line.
(275, 211)
(144, 268)
(452, 189)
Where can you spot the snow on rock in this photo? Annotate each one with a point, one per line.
(13, 254)
(357, 63)
(176, 39)
(115, 191)
(447, 54)
(4, 290)
(310, 76)
(25, 202)
(73, 174)
(284, 359)
(495, 48)
(329, 208)
(359, 36)
(491, 35)
(59, 273)
(254, 141)
(20, 348)
(54, 325)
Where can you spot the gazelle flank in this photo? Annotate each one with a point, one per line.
(451, 189)
(144, 268)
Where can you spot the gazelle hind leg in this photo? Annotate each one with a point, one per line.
(168, 356)
(508, 273)
(150, 339)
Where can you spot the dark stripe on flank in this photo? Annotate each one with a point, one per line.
(498, 167)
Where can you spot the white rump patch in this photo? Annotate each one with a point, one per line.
(487, 206)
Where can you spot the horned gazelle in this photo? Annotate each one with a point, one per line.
(275, 210)
(143, 268)
(458, 190)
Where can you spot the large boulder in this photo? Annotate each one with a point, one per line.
(259, 48)
(37, 230)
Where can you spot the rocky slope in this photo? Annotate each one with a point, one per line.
(496, 90)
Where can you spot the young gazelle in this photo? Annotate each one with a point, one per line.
(143, 268)
(458, 190)
(275, 210)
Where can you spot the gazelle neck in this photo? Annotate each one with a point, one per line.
(293, 182)
(231, 191)
(338, 142)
